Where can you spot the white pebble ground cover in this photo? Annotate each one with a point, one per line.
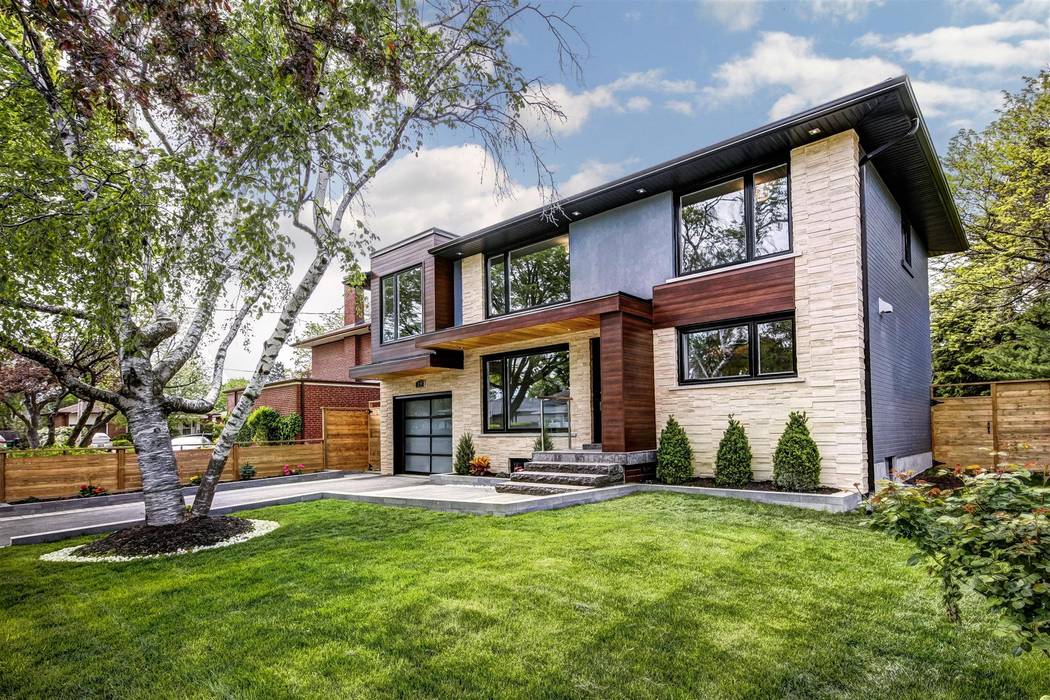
(259, 528)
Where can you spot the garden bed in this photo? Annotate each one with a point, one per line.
(709, 482)
(148, 542)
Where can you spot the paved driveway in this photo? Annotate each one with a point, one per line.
(393, 490)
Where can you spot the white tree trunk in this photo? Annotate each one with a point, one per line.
(161, 490)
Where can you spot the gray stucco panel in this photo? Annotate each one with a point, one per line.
(627, 249)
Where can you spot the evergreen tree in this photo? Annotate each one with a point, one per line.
(674, 458)
(733, 462)
(464, 454)
(796, 461)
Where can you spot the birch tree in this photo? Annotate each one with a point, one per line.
(166, 144)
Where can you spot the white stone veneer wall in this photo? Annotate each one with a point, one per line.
(466, 388)
(825, 200)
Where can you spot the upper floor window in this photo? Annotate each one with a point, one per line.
(536, 275)
(743, 219)
(754, 349)
(402, 304)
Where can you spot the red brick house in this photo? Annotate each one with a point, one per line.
(328, 386)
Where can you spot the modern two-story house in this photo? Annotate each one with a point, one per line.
(783, 269)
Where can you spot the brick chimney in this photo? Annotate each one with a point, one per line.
(350, 304)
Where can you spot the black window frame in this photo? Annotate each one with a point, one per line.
(748, 176)
(505, 255)
(505, 356)
(752, 323)
(906, 243)
(397, 303)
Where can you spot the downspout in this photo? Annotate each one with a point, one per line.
(910, 132)
(302, 411)
(869, 430)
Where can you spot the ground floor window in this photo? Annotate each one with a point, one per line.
(746, 349)
(515, 383)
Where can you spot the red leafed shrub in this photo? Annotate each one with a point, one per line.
(480, 465)
(89, 490)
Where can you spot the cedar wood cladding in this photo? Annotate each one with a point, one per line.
(752, 291)
(437, 292)
(628, 403)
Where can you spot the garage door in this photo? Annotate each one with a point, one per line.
(425, 434)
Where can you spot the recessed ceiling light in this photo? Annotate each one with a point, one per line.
(576, 213)
(814, 131)
(640, 190)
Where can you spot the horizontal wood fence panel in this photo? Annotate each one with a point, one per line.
(346, 438)
(61, 476)
(1010, 425)
(269, 460)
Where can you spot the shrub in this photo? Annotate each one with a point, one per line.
(247, 472)
(122, 443)
(195, 480)
(733, 462)
(991, 534)
(464, 454)
(796, 461)
(289, 470)
(88, 490)
(262, 424)
(543, 443)
(480, 465)
(288, 427)
(674, 457)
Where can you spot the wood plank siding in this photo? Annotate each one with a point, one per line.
(628, 402)
(535, 325)
(751, 291)
(437, 290)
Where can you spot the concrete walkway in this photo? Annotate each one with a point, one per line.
(371, 488)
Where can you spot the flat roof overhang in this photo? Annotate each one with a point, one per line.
(880, 114)
(332, 336)
(536, 324)
(410, 365)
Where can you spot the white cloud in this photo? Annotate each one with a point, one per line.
(790, 63)
(632, 15)
(620, 95)
(741, 15)
(838, 10)
(734, 15)
(1026, 9)
(681, 106)
(938, 99)
(1006, 44)
(638, 103)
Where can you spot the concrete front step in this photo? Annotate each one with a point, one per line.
(611, 468)
(529, 489)
(567, 478)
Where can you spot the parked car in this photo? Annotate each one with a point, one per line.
(101, 440)
(190, 442)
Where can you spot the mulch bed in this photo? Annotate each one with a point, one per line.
(165, 539)
(708, 482)
(941, 478)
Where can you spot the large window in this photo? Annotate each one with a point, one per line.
(516, 382)
(537, 275)
(752, 349)
(402, 304)
(744, 219)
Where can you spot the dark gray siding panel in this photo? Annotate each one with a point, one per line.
(628, 249)
(457, 293)
(901, 364)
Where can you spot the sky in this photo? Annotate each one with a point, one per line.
(660, 79)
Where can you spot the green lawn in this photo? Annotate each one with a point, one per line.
(656, 595)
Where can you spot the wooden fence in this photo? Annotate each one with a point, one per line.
(1008, 422)
(117, 469)
(346, 437)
